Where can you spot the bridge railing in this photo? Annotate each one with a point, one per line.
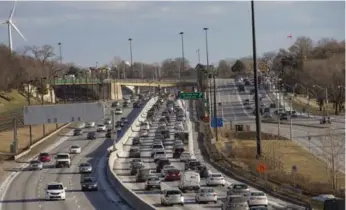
(61, 81)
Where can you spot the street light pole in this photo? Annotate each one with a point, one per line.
(198, 55)
(215, 110)
(210, 79)
(182, 54)
(60, 52)
(130, 42)
(291, 109)
(258, 116)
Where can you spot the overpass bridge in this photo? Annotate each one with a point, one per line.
(96, 89)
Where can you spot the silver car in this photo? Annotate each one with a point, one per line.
(206, 195)
(36, 165)
(153, 182)
(235, 202)
(171, 197)
(85, 168)
(238, 189)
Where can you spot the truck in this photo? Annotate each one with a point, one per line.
(190, 181)
(62, 160)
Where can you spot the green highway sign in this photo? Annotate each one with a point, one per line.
(191, 95)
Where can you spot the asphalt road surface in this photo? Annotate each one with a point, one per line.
(121, 167)
(27, 191)
(320, 143)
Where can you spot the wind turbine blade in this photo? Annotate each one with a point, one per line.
(18, 31)
(13, 9)
(3, 22)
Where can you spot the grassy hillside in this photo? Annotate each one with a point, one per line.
(13, 101)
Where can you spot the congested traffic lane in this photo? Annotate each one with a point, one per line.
(27, 191)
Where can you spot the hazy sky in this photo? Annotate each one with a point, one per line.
(98, 31)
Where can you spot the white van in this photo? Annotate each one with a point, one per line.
(190, 181)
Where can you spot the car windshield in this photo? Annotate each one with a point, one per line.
(210, 190)
(44, 154)
(153, 179)
(240, 186)
(257, 194)
(117, 109)
(195, 163)
(216, 175)
(173, 171)
(55, 187)
(74, 147)
(160, 153)
(173, 192)
(35, 162)
(89, 179)
(134, 150)
(84, 164)
(91, 133)
(62, 156)
(100, 125)
(157, 146)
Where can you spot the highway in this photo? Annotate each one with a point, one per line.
(122, 165)
(27, 190)
(234, 111)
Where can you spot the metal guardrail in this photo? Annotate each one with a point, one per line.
(61, 81)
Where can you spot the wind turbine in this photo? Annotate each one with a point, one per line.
(10, 24)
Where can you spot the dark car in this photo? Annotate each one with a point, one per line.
(161, 163)
(116, 104)
(91, 135)
(241, 88)
(135, 167)
(119, 124)
(136, 141)
(136, 105)
(109, 133)
(204, 172)
(77, 132)
(126, 104)
(124, 120)
(89, 183)
(134, 153)
(177, 152)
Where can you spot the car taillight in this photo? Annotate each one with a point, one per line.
(214, 194)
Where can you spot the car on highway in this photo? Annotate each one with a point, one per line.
(77, 132)
(235, 202)
(75, 149)
(89, 124)
(91, 135)
(161, 163)
(35, 165)
(190, 180)
(258, 199)
(126, 104)
(246, 102)
(143, 174)
(156, 147)
(115, 104)
(101, 128)
(159, 155)
(136, 141)
(144, 133)
(177, 151)
(124, 120)
(204, 172)
(135, 153)
(170, 197)
(108, 121)
(136, 104)
(109, 133)
(166, 168)
(145, 125)
(89, 183)
(238, 189)
(192, 165)
(55, 191)
(152, 182)
(283, 116)
(135, 168)
(118, 111)
(44, 157)
(216, 179)
(85, 168)
(185, 156)
(119, 124)
(179, 127)
(172, 174)
(62, 160)
(206, 195)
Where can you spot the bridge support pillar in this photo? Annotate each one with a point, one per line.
(137, 90)
(115, 93)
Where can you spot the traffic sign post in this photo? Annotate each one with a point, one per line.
(216, 122)
(191, 95)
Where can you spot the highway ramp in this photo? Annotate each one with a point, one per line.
(27, 190)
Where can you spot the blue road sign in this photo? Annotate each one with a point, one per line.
(216, 122)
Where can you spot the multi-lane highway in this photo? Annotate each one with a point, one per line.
(27, 190)
(234, 111)
(122, 165)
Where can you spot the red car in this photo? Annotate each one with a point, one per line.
(44, 157)
(172, 175)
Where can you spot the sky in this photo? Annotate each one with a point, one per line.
(93, 32)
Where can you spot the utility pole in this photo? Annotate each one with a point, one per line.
(60, 52)
(210, 79)
(42, 102)
(258, 116)
(130, 42)
(198, 56)
(215, 110)
(182, 54)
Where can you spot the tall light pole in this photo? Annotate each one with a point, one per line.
(198, 56)
(182, 54)
(130, 42)
(60, 52)
(210, 79)
(258, 116)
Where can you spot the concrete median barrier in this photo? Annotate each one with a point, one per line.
(128, 195)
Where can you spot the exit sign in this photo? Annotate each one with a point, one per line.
(191, 95)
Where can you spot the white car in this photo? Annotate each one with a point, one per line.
(258, 199)
(159, 155)
(163, 124)
(35, 165)
(74, 149)
(118, 111)
(185, 156)
(166, 168)
(89, 124)
(101, 128)
(108, 121)
(206, 195)
(216, 179)
(179, 127)
(171, 197)
(55, 191)
(144, 133)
